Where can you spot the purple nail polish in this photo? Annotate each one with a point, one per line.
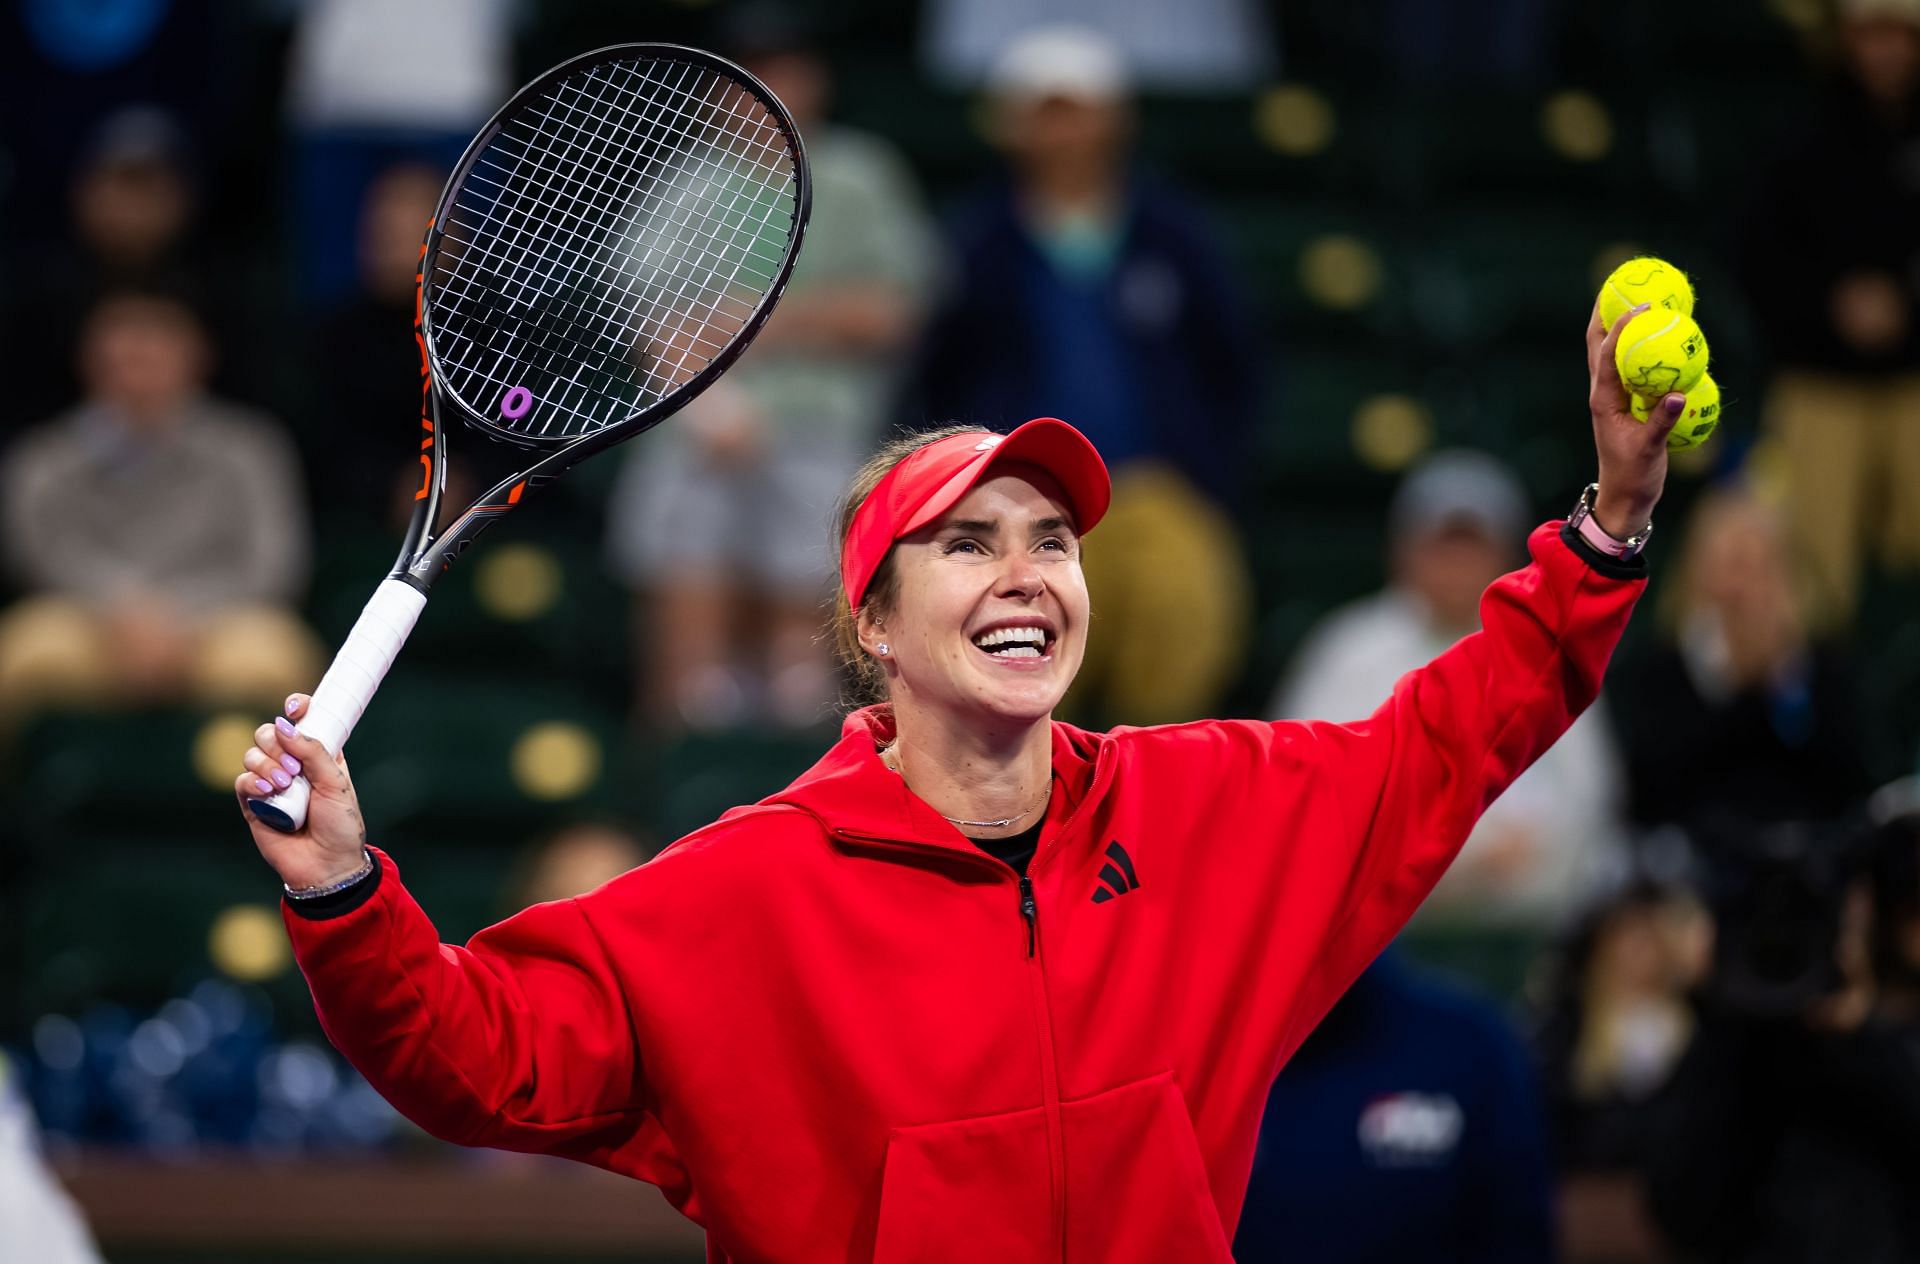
(291, 699)
(291, 764)
(280, 779)
(285, 726)
(263, 785)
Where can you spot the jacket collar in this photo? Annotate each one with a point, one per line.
(857, 799)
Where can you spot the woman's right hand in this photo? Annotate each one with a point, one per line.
(332, 844)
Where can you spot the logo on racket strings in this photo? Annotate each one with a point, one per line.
(516, 403)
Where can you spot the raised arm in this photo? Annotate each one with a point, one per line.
(520, 1040)
(1412, 779)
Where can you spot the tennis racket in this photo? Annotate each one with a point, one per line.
(607, 245)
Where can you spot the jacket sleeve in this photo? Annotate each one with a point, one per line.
(521, 1040)
(1410, 781)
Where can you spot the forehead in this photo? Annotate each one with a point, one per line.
(1020, 492)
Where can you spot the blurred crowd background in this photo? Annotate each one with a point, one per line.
(1312, 273)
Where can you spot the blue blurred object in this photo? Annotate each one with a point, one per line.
(207, 1070)
(92, 36)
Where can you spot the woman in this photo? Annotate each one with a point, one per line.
(979, 985)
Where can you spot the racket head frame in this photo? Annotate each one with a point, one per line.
(425, 555)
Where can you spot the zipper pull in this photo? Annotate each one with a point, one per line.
(1030, 911)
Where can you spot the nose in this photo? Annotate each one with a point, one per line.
(1020, 577)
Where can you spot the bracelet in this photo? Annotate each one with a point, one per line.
(333, 888)
(1581, 520)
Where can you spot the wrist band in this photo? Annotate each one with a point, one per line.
(1581, 520)
(333, 888)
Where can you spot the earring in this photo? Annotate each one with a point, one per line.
(883, 647)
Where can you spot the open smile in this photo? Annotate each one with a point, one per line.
(1016, 642)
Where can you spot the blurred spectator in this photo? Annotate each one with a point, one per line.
(366, 369)
(371, 84)
(1457, 523)
(1738, 714)
(38, 1221)
(573, 861)
(1407, 1127)
(159, 532)
(66, 69)
(133, 204)
(1200, 46)
(1615, 1022)
(725, 513)
(1795, 1131)
(1088, 292)
(1832, 264)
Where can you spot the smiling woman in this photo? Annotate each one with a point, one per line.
(962, 604)
(979, 985)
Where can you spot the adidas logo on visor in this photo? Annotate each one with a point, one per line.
(991, 441)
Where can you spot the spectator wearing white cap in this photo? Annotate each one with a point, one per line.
(1088, 290)
(1457, 522)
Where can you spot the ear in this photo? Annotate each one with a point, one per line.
(870, 628)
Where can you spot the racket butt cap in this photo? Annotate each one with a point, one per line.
(286, 811)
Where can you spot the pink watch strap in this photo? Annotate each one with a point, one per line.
(1594, 534)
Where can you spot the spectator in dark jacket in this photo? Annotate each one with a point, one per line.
(1741, 715)
(1408, 1127)
(1832, 263)
(1084, 290)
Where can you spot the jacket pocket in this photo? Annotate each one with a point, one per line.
(968, 1189)
(1137, 1189)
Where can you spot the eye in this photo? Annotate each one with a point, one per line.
(1056, 543)
(962, 545)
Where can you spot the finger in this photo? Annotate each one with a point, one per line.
(280, 771)
(1661, 417)
(249, 786)
(319, 764)
(267, 738)
(297, 705)
(1612, 340)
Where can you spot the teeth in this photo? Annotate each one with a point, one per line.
(1031, 640)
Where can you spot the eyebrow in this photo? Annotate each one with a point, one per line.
(987, 526)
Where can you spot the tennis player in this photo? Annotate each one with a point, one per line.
(979, 986)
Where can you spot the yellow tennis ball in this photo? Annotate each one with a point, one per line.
(1660, 352)
(1700, 418)
(1697, 421)
(1644, 280)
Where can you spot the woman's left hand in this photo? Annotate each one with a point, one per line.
(1633, 453)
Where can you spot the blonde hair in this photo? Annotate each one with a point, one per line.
(868, 680)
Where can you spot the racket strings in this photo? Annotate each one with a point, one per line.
(677, 315)
(608, 243)
(555, 219)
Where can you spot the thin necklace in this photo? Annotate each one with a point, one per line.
(887, 758)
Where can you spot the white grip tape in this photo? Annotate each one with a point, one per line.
(348, 687)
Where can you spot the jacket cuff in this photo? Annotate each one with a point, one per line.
(325, 908)
(1612, 567)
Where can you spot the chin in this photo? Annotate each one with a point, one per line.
(1025, 702)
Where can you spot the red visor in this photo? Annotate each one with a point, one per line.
(934, 478)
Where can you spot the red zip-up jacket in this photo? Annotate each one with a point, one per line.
(831, 1029)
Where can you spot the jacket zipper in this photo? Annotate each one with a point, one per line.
(1030, 911)
(1049, 1068)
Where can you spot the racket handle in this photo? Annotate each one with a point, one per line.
(346, 690)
